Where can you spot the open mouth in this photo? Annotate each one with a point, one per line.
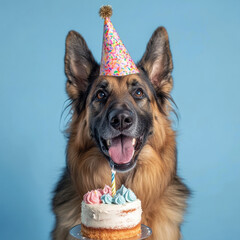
(122, 151)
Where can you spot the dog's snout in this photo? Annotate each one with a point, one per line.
(121, 119)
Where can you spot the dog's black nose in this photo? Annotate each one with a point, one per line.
(120, 119)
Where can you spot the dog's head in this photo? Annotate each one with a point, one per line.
(120, 111)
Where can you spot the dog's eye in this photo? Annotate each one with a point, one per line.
(100, 95)
(138, 93)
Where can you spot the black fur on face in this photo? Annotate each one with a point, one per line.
(120, 113)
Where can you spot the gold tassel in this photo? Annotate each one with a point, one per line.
(105, 11)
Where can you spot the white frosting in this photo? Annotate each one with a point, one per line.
(111, 215)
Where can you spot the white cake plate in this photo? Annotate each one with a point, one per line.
(146, 232)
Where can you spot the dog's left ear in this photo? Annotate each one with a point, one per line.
(157, 61)
(80, 65)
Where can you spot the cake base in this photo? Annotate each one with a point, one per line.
(110, 234)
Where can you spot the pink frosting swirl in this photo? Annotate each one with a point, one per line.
(106, 190)
(93, 197)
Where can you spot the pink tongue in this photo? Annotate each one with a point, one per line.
(121, 150)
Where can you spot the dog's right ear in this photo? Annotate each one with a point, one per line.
(79, 65)
(157, 61)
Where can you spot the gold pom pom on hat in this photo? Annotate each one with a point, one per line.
(105, 11)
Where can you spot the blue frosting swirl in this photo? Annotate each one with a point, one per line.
(118, 199)
(106, 198)
(123, 195)
(122, 190)
(130, 196)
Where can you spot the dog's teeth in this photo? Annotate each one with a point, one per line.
(109, 142)
(134, 141)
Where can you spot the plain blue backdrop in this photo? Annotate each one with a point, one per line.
(205, 43)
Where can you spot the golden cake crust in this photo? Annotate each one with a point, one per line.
(110, 234)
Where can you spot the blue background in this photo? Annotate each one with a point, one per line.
(205, 42)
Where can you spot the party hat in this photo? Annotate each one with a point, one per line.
(116, 60)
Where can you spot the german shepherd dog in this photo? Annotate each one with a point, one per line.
(128, 116)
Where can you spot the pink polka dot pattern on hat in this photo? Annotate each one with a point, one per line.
(116, 60)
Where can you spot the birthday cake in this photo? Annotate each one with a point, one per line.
(104, 216)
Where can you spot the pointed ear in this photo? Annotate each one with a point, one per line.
(80, 65)
(157, 61)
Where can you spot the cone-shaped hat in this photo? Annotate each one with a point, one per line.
(116, 60)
